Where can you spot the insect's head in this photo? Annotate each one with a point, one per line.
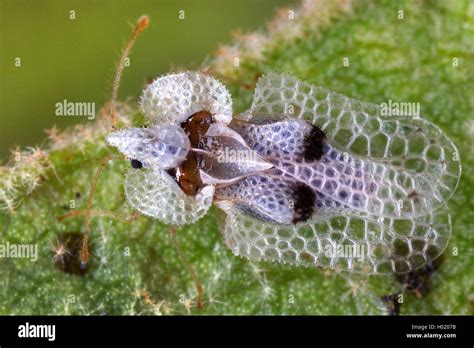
(160, 146)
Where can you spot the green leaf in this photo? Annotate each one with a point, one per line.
(133, 267)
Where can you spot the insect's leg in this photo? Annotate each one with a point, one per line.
(98, 213)
(184, 260)
(88, 212)
(84, 254)
(141, 25)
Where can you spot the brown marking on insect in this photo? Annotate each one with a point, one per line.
(197, 125)
(187, 174)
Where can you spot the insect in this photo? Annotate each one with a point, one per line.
(296, 191)
(306, 176)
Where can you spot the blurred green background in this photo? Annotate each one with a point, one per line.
(75, 59)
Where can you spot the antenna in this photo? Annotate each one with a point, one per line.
(141, 25)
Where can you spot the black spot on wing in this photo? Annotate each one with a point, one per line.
(304, 200)
(314, 144)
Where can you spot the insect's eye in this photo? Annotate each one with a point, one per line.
(136, 164)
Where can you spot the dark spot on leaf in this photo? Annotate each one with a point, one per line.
(417, 282)
(391, 304)
(66, 253)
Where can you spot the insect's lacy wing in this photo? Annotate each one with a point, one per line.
(175, 97)
(347, 242)
(362, 184)
(405, 144)
(156, 194)
(275, 197)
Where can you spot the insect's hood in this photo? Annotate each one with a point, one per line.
(160, 146)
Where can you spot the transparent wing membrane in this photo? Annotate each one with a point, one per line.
(412, 154)
(225, 157)
(156, 194)
(349, 242)
(363, 184)
(275, 197)
(366, 195)
(175, 97)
